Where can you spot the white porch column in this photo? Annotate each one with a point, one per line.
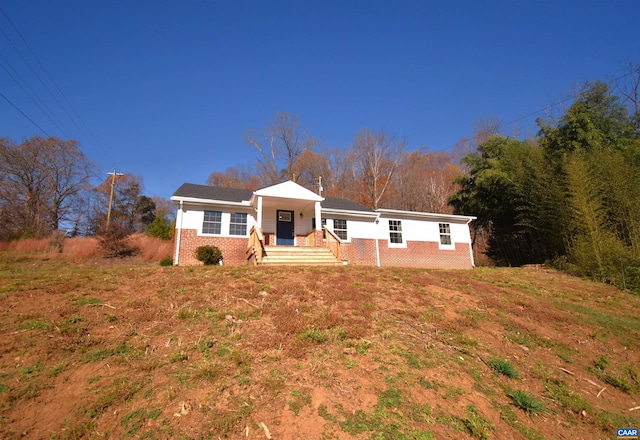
(259, 219)
(318, 217)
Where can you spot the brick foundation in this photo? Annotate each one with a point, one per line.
(416, 254)
(358, 251)
(233, 249)
(427, 255)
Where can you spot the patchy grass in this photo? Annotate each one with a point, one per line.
(126, 349)
(503, 367)
(526, 402)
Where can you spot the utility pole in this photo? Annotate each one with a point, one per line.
(113, 184)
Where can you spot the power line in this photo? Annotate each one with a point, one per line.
(91, 136)
(32, 94)
(23, 114)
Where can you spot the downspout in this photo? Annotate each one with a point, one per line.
(377, 220)
(473, 263)
(176, 260)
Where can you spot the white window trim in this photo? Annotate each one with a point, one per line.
(333, 229)
(226, 225)
(246, 225)
(208, 234)
(396, 245)
(441, 246)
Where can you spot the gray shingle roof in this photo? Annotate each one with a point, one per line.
(213, 193)
(207, 192)
(343, 204)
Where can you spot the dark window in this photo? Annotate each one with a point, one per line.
(212, 223)
(395, 231)
(340, 228)
(238, 225)
(324, 223)
(445, 233)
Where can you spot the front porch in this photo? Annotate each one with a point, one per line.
(313, 249)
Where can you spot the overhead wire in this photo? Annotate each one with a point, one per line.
(35, 98)
(88, 134)
(24, 114)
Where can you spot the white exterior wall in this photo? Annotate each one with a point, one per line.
(425, 230)
(194, 216)
(412, 229)
(358, 228)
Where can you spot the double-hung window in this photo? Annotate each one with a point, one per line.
(238, 224)
(340, 228)
(395, 231)
(445, 234)
(212, 223)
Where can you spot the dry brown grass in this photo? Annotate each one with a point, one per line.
(85, 247)
(151, 248)
(79, 248)
(26, 245)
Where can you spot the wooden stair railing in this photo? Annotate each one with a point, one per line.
(255, 250)
(333, 243)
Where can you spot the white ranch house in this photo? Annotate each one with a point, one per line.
(288, 224)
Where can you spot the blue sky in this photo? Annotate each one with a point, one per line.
(166, 89)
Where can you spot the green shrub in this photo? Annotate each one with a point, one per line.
(160, 227)
(167, 261)
(209, 255)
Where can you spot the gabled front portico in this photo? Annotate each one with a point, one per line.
(285, 212)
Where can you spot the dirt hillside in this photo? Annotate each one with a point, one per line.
(134, 350)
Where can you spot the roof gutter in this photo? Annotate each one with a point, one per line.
(422, 215)
(363, 214)
(197, 201)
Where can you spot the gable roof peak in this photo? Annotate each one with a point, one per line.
(289, 190)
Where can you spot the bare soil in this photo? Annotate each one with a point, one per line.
(99, 349)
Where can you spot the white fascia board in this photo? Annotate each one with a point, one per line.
(209, 202)
(425, 215)
(348, 213)
(288, 190)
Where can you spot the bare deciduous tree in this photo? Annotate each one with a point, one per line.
(376, 156)
(43, 181)
(630, 88)
(425, 181)
(280, 145)
(234, 177)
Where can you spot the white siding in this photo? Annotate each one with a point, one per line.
(425, 230)
(194, 216)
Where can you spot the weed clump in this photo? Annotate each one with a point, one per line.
(503, 367)
(526, 402)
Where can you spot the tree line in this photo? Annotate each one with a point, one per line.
(376, 170)
(569, 195)
(45, 187)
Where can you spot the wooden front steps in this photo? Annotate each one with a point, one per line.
(299, 255)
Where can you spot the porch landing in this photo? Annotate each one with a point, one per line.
(299, 255)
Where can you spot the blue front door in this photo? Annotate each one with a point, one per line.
(284, 228)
